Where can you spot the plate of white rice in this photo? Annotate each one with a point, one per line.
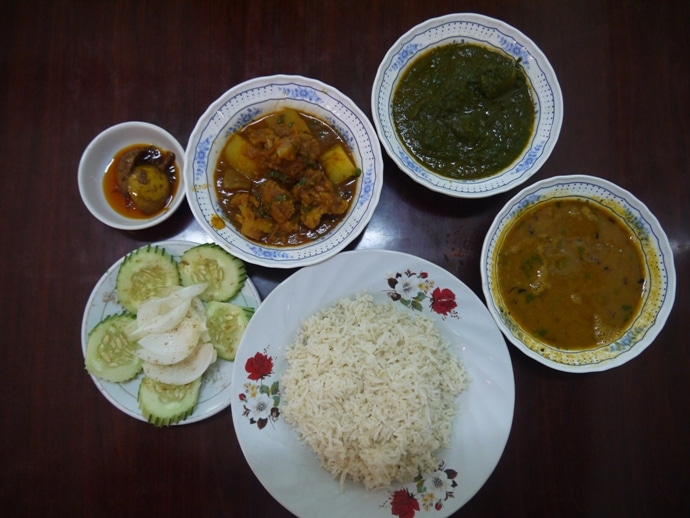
(376, 384)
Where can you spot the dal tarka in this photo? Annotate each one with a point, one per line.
(571, 274)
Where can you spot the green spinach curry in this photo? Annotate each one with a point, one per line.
(464, 111)
(571, 274)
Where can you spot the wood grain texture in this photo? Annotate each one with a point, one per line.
(608, 444)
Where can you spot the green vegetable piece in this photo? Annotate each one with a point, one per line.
(145, 273)
(224, 273)
(109, 353)
(226, 324)
(162, 404)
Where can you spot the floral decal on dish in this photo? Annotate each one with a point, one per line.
(412, 289)
(260, 399)
(430, 493)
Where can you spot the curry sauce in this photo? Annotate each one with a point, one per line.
(571, 274)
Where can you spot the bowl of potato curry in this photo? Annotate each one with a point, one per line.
(284, 171)
(578, 273)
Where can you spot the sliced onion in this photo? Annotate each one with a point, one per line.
(163, 314)
(186, 371)
(160, 323)
(174, 345)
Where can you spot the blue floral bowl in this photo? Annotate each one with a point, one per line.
(261, 96)
(492, 33)
(660, 285)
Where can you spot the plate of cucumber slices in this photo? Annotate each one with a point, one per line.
(161, 328)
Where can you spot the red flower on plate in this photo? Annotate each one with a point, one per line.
(403, 504)
(443, 301)
(413, 289)
(433, 489)
(259, 366)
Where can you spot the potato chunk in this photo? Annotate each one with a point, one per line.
(238, 152)
(287, 122)
(337, 164)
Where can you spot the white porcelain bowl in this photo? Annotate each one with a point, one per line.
(660, 285)
(482, 30)
(100, 153)
(254, 98)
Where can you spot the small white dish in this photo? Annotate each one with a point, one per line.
(260, 96)
(660, 287)
(215, 394)
(289, 469)
(476, 29)
(101, 152)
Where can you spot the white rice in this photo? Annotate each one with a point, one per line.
(371, 389)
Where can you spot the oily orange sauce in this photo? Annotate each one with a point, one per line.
(121, 203)
(571, 274)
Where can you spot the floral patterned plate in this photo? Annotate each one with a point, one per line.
(290, 471)
(215, 390)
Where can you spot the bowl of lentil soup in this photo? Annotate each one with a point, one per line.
(578, 273)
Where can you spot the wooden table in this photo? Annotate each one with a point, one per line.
(609, 444)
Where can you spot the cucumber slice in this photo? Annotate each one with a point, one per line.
(110, 355)
(145, 273)
(163, 405)
(224, 273)
(226, 323)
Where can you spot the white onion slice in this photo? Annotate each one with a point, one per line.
(160, 323)
(163, 314)
(174, 345)
(186, 371)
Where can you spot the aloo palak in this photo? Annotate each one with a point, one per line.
(286, 178)
(571, 274)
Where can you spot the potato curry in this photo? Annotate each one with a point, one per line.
(286, 178)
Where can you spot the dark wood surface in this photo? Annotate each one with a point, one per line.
(608, 444)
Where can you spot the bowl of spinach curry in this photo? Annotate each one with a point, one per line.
(467, 105)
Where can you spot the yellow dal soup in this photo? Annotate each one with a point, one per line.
(571, 274)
